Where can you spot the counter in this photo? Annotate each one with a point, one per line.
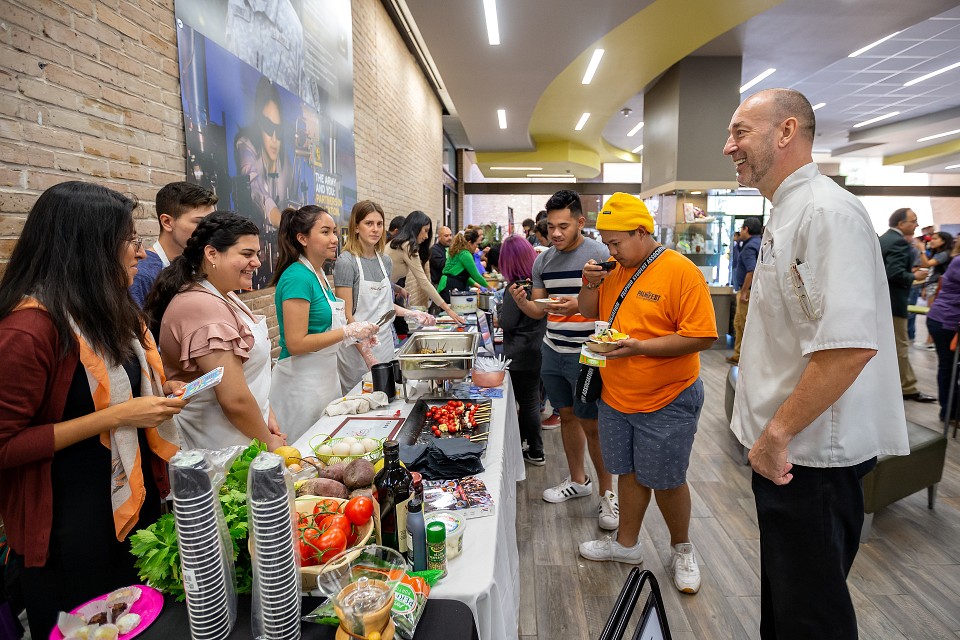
(486, 576)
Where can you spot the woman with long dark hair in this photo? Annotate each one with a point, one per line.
(362, 279)
(405, 251)
(312, 320)
(204, 325)
(461, 269)
(522, 338)
(85, 429)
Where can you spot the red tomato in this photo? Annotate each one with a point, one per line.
(336, 521)
(307, 546)
(331, 542)
(359, 510)
(326, 506)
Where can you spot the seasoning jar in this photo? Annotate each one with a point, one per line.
(437, 547)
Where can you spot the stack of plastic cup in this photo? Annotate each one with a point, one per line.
(211, 605)
(276, 576)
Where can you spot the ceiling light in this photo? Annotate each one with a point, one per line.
(931, 74)
(877, 119)
(872, 45)
(762, 76)
(953, 166)
(516, 168)
(818, 105)
(592, 67)
(502, 118)
(493, 27)
(696, 193)
(638, 149)
(549, 175)
(582, 121)
(633, 131)
(939, 135)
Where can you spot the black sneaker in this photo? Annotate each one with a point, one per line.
(535, 459)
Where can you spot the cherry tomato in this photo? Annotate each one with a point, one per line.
(359, 510)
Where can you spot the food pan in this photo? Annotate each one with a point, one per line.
(438, 355)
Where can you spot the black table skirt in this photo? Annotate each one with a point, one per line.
(442, 619)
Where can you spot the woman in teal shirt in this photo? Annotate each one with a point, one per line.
(461, 269)
(311, 319)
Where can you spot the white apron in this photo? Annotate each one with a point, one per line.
(202, 423)
(373, 300)
(158, 249)
(302, 386)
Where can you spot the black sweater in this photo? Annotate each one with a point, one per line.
(522, 335)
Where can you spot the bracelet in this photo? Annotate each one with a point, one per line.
(593, 286)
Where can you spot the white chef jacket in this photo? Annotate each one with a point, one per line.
(820, 234)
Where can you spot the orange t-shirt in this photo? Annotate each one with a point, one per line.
(670, 297)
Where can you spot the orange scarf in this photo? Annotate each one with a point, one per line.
(109, 386)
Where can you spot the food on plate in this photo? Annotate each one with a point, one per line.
(453, 417)
(358, 473)
(68, 624)
(106, 632)
(82, 633)
(128, 622)
(609, 335)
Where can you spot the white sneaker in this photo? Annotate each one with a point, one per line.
(608, 549)
(686, 573)
(568, 489)
(609, 511)
(547, 410)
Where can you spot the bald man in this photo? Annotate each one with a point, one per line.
(438, 253)
(818, 395)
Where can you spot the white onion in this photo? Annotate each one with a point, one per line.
(369, 444)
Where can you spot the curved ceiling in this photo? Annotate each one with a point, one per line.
(535, 73)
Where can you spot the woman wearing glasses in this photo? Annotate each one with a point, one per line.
(85, 427)
(204, 325)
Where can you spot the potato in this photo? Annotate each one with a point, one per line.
(333, 472)
(324, 487)
(358, 473)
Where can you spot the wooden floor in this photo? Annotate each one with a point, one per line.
(905, 582)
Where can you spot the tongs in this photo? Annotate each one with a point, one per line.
(386, 317)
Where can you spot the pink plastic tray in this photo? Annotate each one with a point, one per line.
(148, 607)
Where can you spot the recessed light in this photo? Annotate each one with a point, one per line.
(493, 27)
(872, 45)
(549, 175)
(766, 74)
(592, 67)
(582, 121)
(939, 135)
(638, 149)
(931, 74)
(696, 193)
(818, 105)
(953, 166)
(502, 118)
(877, 119)
(516, 168)
(634, 131)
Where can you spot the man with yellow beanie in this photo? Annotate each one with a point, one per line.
(652, 394)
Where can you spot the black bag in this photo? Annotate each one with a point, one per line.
(589, 382)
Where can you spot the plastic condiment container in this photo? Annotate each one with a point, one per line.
(455, 524)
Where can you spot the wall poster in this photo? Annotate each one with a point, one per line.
(267, 92)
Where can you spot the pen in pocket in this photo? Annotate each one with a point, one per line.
(800, 290)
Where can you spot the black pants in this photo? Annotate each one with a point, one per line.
(941, 339)
(809, 537)
(526, 387)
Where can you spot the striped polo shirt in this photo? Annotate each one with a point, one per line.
(560, 273)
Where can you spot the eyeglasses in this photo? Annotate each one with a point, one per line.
(137, 242)
(269, 127)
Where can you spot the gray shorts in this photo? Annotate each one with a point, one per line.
(655, 446)
(559, 372)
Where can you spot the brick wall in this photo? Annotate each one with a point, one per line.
(89, 90)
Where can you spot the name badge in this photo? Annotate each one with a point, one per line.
(592, 359)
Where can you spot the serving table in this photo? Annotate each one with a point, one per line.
(486, 576)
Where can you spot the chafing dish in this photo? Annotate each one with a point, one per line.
(438, 355)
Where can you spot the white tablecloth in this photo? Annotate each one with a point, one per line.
(486, 576)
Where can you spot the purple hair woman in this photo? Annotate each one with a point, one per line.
(522, 337)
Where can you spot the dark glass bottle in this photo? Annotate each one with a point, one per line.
(393, 492)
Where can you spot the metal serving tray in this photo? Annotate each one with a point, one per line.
(458, 351)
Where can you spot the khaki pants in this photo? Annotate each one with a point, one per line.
(739, 322)
(908, 381)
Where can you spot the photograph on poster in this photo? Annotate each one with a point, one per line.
(257, 144)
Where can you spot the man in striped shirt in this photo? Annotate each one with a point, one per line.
(557, 274)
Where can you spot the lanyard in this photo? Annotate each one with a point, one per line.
(623, 294)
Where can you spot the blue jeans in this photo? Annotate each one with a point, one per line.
(912, 317)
